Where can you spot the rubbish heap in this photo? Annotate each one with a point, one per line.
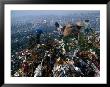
(74, 53)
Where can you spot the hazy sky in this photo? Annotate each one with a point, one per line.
(15, 13)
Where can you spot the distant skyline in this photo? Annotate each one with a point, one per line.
(17, 13)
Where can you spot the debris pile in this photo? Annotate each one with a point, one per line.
(72, 50)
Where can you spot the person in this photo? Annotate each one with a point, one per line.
(38, 34)
(25, 67)
(79, 26)
(87, 28)
(56, 24)
(59, 29)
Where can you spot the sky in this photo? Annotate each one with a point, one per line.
(15, 13)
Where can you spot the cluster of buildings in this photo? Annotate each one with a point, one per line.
(72, 50)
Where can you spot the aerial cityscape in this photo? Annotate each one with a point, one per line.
(55, 43)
